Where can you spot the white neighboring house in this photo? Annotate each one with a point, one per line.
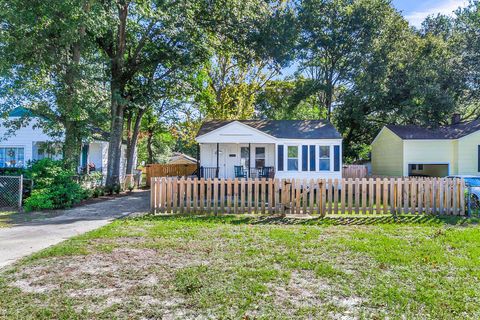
(300, 149)
(30, 143)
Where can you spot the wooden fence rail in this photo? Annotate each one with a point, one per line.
(169, 170)
(321, 197)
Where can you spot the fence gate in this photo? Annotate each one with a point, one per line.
(11, 192)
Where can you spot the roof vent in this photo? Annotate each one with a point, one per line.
(456, 118)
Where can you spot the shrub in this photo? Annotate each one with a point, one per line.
(54, 186)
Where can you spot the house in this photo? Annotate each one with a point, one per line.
(301, 149)
(30, 143)
(181, 158)
(410, 150)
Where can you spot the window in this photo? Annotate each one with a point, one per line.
(336, 158)
(478, 158)
(259, 157)
(292, 158)
(420, 167)
(280, 158)
(312, 158)
(244, 157)
(304, 158)
(11, 157)
(324, 155)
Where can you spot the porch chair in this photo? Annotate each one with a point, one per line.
(266, 172)
(240, 172)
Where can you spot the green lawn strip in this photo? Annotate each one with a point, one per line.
(257, 266)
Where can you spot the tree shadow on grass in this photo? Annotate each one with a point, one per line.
(316, 220)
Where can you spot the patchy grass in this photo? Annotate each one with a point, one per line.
(234, 267)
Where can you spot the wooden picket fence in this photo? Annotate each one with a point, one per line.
(346, 196)
(354, 171)
(169, 170)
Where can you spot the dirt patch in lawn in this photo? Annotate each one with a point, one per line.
(100, 281)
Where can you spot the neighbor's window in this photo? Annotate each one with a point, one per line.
(11, 157)
(259, 157)
(292, 160)
(324, 155)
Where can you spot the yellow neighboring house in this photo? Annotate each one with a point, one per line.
(411, 150)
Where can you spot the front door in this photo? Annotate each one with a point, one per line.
(231, 160)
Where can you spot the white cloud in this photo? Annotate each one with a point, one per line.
(443, 7)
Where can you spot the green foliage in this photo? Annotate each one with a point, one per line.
(54, 186)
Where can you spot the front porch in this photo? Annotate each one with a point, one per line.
(237, 160)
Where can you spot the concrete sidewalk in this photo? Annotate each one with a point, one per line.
(22, 240)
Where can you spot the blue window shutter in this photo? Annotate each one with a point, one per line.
(280, 158)
(312, 158)
(304, 158)
(336, 158)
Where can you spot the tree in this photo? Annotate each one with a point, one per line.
(283, 99)
(465, 43)
(241, 66)
(336, 35)
(156, 142)
(408, 79)
(48, 67)
(141, 37)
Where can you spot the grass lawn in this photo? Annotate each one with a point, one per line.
(254, 268)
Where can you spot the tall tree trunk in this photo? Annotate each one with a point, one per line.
(149, 146)
(72, 145)
(329, 99)
(118, 102)
(132, 144)
(115, 145)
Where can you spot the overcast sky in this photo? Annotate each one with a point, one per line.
(415, 11)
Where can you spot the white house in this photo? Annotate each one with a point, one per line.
(30, 143)
(300, 149)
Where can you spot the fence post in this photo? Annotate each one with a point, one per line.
(20, 192)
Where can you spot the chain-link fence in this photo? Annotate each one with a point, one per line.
(12, 191)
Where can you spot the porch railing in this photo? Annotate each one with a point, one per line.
(209, 172)
(213, 172)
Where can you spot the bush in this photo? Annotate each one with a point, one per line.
(54, 186)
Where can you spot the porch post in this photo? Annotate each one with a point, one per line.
(198, 159)
(216, 171)
(249, 155)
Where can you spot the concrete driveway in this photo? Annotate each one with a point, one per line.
(21, 240)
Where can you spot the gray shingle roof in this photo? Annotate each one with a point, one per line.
(456, 131)
(286, 129)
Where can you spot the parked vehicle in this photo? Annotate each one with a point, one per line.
(473, 184)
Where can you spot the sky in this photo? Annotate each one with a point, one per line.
(415, 11)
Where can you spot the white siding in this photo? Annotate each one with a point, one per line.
(229, 157)
(26, 136)
(23, 138)
(317, 174)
